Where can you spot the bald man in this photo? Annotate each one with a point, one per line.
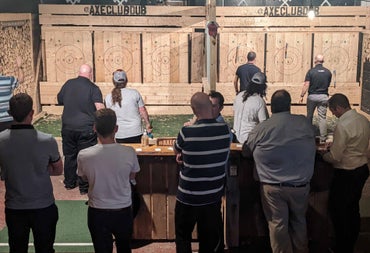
(317, 82)
(80, 98)
(202, 150)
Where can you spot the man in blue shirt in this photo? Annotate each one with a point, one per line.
(245, 72)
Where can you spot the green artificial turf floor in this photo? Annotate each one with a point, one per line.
(72, 234)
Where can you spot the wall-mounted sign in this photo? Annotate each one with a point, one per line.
(116, 10)
(287, 11)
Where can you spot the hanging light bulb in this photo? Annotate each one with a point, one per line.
(311, 12)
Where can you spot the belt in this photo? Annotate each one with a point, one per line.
(111, 210)
(286, 184)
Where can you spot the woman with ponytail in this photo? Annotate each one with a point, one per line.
(129, 108)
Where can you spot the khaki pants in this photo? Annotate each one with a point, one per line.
(285, 212)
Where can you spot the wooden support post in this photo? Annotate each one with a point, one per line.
(211, 47)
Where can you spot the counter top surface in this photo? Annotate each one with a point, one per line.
(154, 150)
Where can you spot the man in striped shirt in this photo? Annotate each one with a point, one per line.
(7, 86)
(202, 150)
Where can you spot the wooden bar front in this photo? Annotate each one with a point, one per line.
(243, 215)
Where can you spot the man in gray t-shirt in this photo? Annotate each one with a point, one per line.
(27, 160)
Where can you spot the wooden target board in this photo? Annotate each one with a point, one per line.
(340, 52)
(234, 48)
(288, 57)
(165, 57)
(66, 52)
(117, 50)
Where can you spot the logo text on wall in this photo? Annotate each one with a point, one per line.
(287, 11)
(116, 10)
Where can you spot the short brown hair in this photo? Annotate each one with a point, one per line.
(20, 105)
(105, 121)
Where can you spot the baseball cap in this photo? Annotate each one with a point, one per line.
(259, 78)
(119, 76)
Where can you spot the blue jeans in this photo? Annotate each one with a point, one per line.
(42, 222)
(103, 224)
(319, 101)
(73, 142)
(209, 224)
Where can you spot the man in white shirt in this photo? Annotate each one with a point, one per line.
(348, 154)
(108, 167)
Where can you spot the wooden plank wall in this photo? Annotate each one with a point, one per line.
(162, 50)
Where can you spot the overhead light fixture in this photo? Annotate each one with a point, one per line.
(311, 12)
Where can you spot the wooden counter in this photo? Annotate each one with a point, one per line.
(155, 150)
(157, 183)
(244, 220)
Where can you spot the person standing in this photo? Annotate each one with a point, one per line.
(27, 160)
(7, 86)
(250, 107)
(348, 154)
(245, 72)
(108, 167)
(80, 98)
(283, 148)
(317, 82)
(202, 150)
(130, 109)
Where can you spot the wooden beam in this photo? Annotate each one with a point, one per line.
(211, 45)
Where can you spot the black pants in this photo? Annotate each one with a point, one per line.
(134, 139)
(42, 222)
(103, 224)
(345, 194)
(73, 142)
(209, 224)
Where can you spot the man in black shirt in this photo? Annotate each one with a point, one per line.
(317, 82)
(80, 98)
(245, 72)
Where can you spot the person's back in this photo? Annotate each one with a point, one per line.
(247, 114)
(205, 148)
(129, 107)
(283, 148)
(286, 151)
(76, 97)
(245, 72)
(27, 160)
(319, 78)
(202, 150)
(108, 167)
(80, 98)
(250, 107)
(26, 188)
(128, 115)
(7, 85)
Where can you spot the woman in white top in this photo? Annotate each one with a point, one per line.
(129, 108)
(250, 107)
